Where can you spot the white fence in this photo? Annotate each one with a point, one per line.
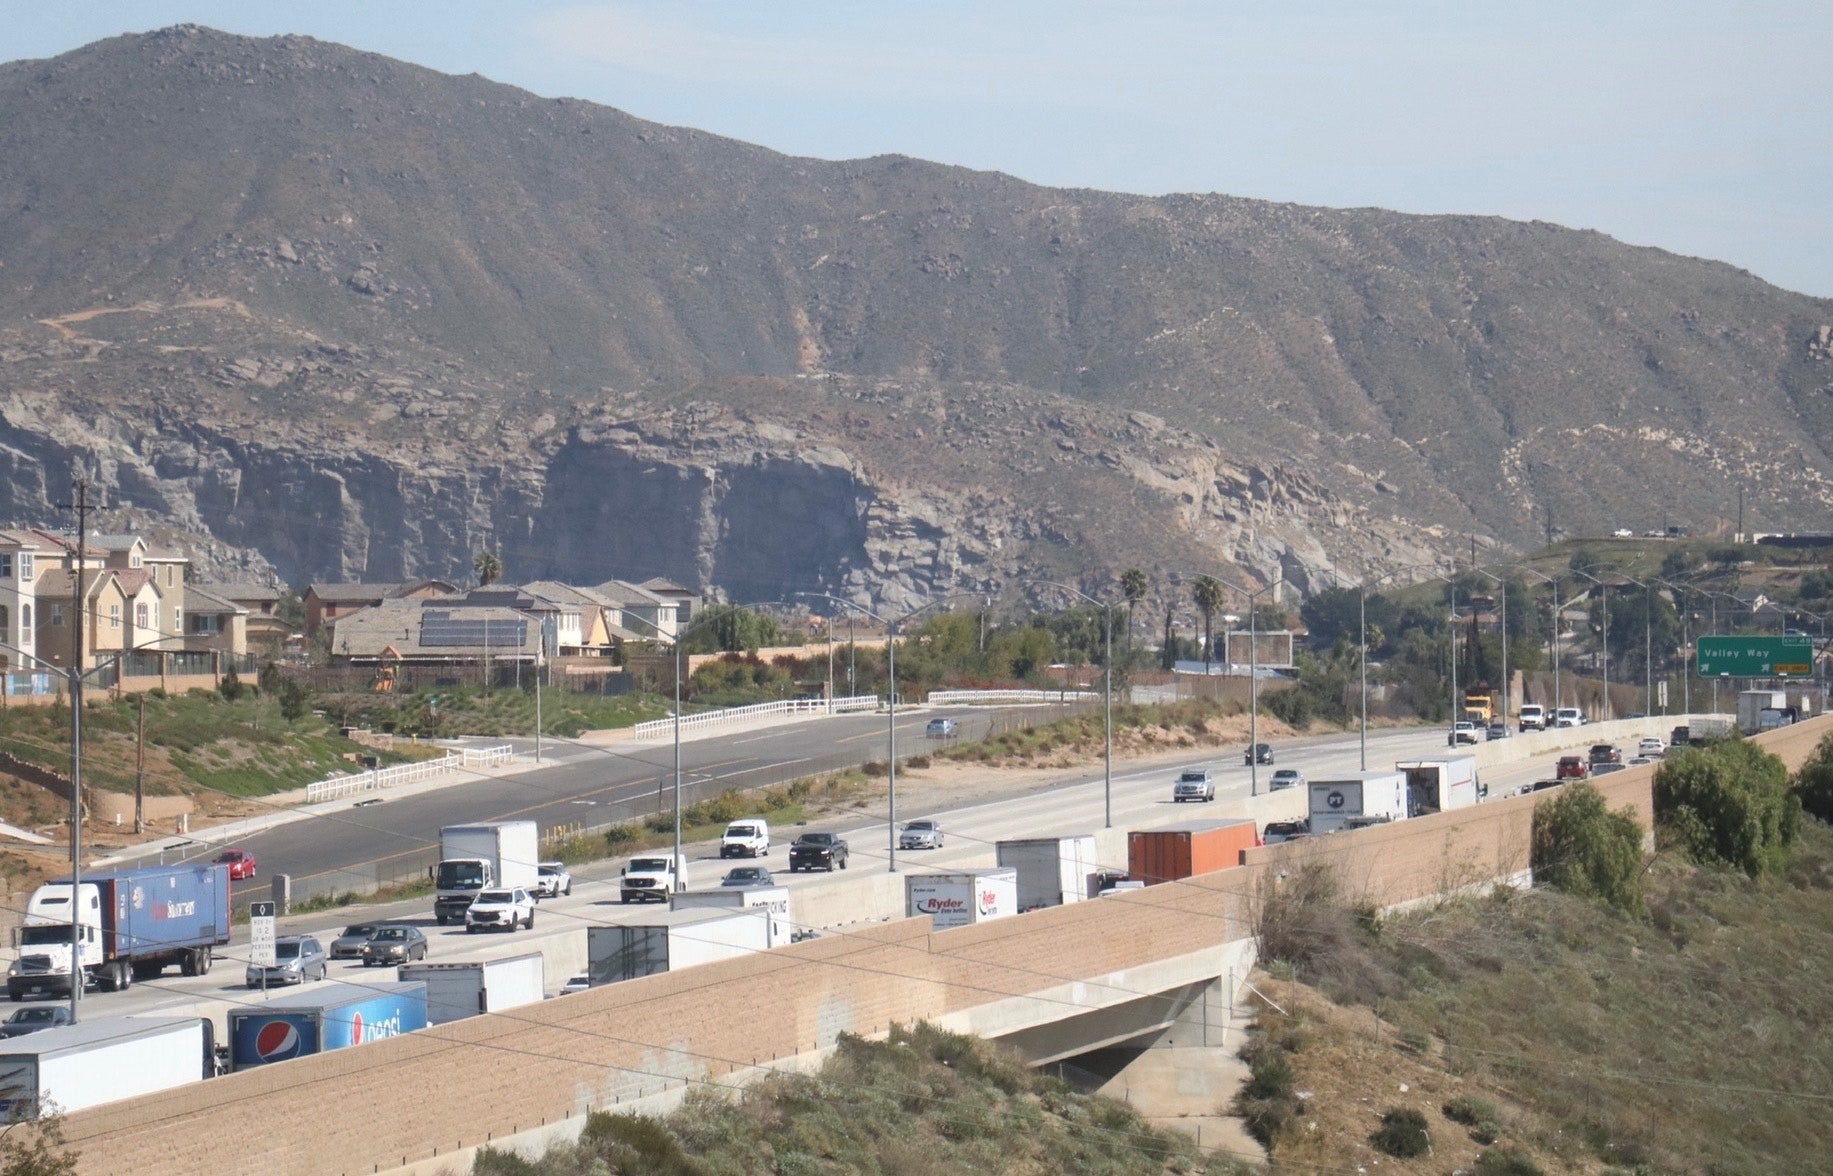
(762, 710)
(338, 787)
(1003, 697)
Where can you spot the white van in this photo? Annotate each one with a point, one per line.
(1568, 716)
(1533, 717)
(747, 838)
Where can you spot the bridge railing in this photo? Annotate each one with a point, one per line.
(1008, 697)
(713, 719)
(338, 787)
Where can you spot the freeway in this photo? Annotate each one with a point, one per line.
(1141, 800)
(576, 783)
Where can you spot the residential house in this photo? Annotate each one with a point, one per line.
(166, 569)
(651, 615)
(260, 605)
(326, 603)
(586, 620)
(434, 632)
(687, 601)
(121, 612)
(216, 623)
(22, 556)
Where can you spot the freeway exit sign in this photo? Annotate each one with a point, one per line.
(1754, 657)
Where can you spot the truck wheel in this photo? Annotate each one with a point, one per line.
(623, 898)
(440, 920)
(843, 862)
(125, 975)
(530, 925)
(17, 996)
(209, 960)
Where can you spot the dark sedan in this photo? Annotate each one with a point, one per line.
(394, 943)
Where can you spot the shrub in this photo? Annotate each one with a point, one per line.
(231, 685)
(1729, 804)
(635, 1143)
(1301, 920)
(1814, 782)
(620, 835)
(1504, 1161)
(1402, 1134)
(1582, 848)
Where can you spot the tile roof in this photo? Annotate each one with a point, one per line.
(241, 592)
(352, 593)
(196, 595)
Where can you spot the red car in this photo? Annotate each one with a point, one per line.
(1572, 768)
(241, 863)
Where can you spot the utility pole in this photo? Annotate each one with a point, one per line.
(80, 505)
(140, 770)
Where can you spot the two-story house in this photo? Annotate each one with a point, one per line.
(325, 603)
(22, 555)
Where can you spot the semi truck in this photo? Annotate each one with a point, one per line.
(961, 898)
(1480, 706)
(1183, 851)
(455, 991)
(675, 940)
(1440, 785)
(323, 1019)
(500, 856)
(1763, 710)
(1356, 799)
(773, 898)
(73, 1067)
(1051, 870)
(131, 925)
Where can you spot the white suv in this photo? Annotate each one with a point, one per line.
(1194, 784)
(552, 879)
(1533, 717)
(505, 910)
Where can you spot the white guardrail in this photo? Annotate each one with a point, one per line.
(338, 787)
(761, 710)
(999, 697)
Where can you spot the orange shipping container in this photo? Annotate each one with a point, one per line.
(1165, 855)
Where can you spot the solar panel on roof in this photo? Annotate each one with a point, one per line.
(441, 629)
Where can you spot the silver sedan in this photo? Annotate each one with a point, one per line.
(920, 835)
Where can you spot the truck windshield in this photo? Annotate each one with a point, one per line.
(43, 936)
(649, 865)
(460, 875)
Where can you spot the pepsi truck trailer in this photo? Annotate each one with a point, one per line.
(323, 1019)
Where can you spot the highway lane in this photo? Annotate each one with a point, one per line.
(1142, 799)
(581, 783)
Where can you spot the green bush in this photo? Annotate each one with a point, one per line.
(1729, 804)
(1504, 1161)
(1581, 847)
(1814, 782)
(1469, 1111)
(1402, 1134)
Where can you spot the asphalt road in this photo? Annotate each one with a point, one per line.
(579, 783)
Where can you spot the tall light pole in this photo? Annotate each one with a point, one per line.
(540, 660)
(1686, 646)
(1253, 674)
(1362, 659)
(1648, 643)
(1552, 582)
(1603, 645)
(1502, 587)
(891, 672)
(1107, 701)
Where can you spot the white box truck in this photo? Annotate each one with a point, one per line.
(1051, 870)
(1763, 710)
(482, 857)
(675, 940)
(1440, 785)
(962, 897)
(1355, 799)
(773, 898)
(84, 1065)
(455, 991)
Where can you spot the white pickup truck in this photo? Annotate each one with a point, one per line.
(654, 876)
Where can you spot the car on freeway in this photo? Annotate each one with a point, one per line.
(826, 851)
(552, 879)
(24, 1021)
(1193, 784)
(1607, 767)
(1540, 786)
(1497, 731)
(1286, 778)
(921, 834)
(241, 863)
(747, 876)
(394, 943)
(1637, 761)
(1568, 716)
(1260, 753)
(1571, 767)
(1278, 831)
(574, 984)
(941, 729)
(1650, 747)
(297, 959)
(1622, 533)
(506, 909)
(1465, 731)
(349, 945)
(1604, 753)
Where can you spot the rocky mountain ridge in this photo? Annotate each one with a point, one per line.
(335, 316)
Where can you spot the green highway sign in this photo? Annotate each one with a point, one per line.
(1754, 657)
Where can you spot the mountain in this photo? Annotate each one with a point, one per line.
(315, 309)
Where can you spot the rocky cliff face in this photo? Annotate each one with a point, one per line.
(322, 312)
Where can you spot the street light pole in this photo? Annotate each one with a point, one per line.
(1107, 700)
(1502, 587)
(1604, 645)
(80, 602)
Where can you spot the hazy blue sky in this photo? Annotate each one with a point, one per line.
(1701, 127)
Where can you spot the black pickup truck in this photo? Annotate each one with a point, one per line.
(818, 851)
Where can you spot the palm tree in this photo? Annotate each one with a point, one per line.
(1133, 587)
(488, 567)
(1208, 596)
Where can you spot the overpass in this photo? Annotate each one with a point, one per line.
(1052, 983)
